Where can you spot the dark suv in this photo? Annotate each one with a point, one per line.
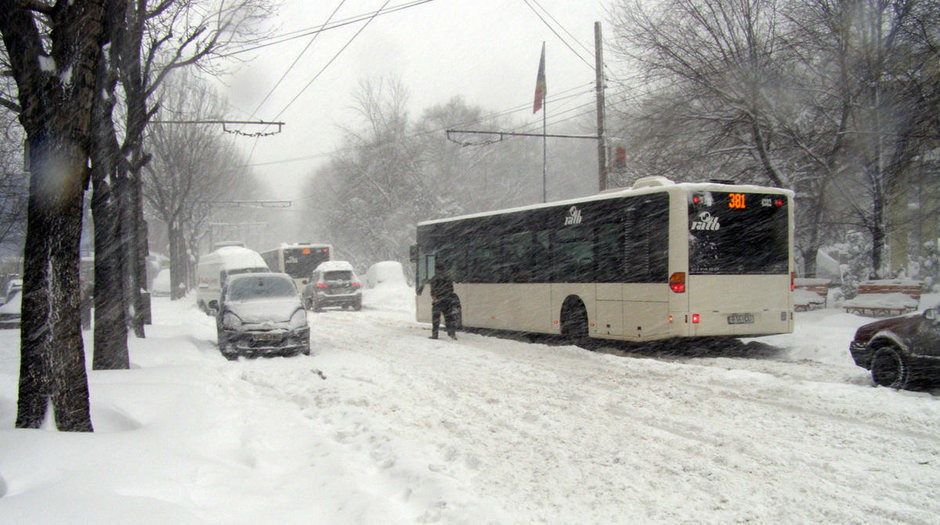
(901, 352)
(333, 283)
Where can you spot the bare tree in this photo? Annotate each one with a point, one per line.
(14, 183)
(369, 193)
(151, 39)
(821, 96)
(192, 170)
(714, 64)
(53, 51)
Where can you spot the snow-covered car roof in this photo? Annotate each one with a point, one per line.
(327, 266)
(13, 304)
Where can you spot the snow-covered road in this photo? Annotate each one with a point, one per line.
(404, 429)
(558, 433)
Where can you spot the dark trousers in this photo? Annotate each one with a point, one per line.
(443, 307)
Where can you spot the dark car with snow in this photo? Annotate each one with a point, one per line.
(900, 352)
(333, 283)
(261, 314)
(10, 311)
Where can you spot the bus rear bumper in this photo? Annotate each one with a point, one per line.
(734, 324)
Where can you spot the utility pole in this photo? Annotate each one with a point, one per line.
(599, 88)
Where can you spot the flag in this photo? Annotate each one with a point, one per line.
(540, 83)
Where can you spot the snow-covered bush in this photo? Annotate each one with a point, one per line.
(928, 267)
(857, 247)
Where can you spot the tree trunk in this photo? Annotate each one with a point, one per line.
(178, 266)
(56, 114)
(110, 325)
(52, 366)
(878, 235)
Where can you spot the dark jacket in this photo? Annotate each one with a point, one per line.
(441, 287)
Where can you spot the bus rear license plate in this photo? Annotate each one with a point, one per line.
(741, 319)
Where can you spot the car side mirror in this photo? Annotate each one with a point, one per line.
(932, 314)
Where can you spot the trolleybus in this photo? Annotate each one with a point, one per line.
(297, 260)
(656, 261)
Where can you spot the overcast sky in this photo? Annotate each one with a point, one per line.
(486, 51)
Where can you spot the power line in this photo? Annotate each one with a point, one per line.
(300, 33)
(514, 109)
(294, 63)
(584, 47)
(563, 41)
(335, 56)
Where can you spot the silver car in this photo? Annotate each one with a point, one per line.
(333, 283)
(261, 314)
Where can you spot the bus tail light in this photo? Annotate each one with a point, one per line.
(677, 282)
(695, 319)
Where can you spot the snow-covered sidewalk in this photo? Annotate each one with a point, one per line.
(404, 429)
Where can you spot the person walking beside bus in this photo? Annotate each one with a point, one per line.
(443, 300)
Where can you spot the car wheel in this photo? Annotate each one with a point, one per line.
(889, 368)
(357, 305)
(305, 350)
(316, 306)
(308, 304)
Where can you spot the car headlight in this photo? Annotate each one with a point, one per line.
(230, 320)
(299, 319)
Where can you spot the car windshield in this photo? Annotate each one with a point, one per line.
(260, 287)
(338, 275)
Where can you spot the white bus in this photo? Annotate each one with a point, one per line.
(298, 260)
(656, 261)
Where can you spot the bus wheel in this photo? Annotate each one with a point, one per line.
(574, 322)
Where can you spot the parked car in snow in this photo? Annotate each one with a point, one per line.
(261, 314)
(334, 283)
(13, 286)
(214, 268)
(900, 352)
(10, 311)
(385, 273)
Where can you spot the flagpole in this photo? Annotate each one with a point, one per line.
(540, 99)
(544, 147)
(544, 135)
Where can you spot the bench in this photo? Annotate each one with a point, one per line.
(810, 294)
(885, 298)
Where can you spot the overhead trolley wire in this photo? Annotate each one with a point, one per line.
(552, 29)
(335, 56)
(588, 50)
(559, 96)
(299, 56)
(300, 33)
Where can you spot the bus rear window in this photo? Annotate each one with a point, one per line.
(300, 264)
(738, 233)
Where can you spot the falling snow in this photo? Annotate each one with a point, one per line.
(383, 425)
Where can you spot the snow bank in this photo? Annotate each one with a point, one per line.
(386, 273)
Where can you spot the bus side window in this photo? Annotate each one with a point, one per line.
(542, 258)
(608, 239)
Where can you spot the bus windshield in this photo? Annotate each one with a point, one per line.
(738, 233)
